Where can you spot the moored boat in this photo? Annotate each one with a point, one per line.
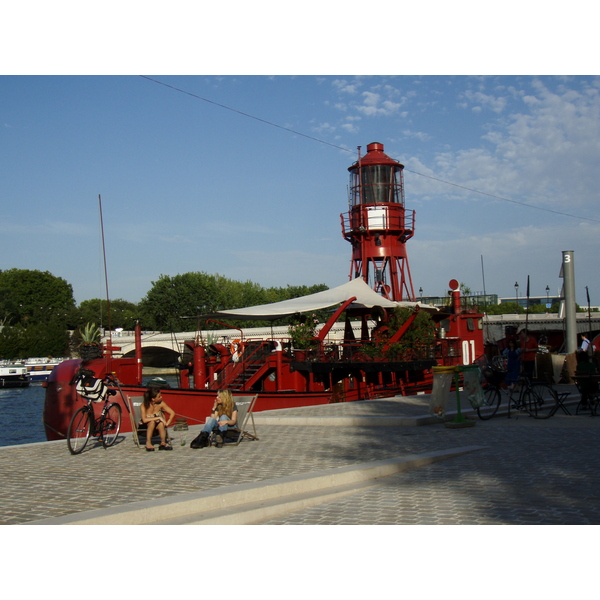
(39, 369)
(13, 375)
(398, 344)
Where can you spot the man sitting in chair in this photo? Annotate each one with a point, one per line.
(223, 416)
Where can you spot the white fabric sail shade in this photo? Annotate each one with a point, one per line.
(357, 288)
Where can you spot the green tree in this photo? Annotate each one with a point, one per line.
(511, 308)
(35, 308)
(34, 297)
(12, 342)
(506, 308)
(37, 339)
(122, 313)
(174, 302)
(465, 290)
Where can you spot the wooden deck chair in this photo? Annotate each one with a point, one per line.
(134, 418)
(245, 416)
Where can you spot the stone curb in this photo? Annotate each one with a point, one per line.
(229, 497)
(327, 421)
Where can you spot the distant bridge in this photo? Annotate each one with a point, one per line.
(494, 325)
(164, 349)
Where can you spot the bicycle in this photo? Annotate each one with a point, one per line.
(538, 399)
(84, 424)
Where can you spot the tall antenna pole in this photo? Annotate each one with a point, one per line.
(483, 277)
(486, 318)
(105, 270)
(527, 305)
(587, 293)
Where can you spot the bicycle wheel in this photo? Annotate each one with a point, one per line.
(111, 425)
(79, 430)
(540, 400)
(490, 405)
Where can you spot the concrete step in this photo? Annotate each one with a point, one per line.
(255, 512)
(260, 500)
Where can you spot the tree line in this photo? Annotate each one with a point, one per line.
(39, 316)
(38, 313)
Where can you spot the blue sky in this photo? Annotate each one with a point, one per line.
(188, 185)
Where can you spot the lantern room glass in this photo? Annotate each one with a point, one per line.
(376, 184)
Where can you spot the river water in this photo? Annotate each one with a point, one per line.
(21, 411)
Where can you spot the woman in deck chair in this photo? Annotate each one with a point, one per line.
(223, 416)
(153, 411)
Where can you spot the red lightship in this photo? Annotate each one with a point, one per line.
(350, 356)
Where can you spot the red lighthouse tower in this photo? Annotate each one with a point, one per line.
(378, 226)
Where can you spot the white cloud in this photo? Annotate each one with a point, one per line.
(496, 104)
(545, 150)
(420, 135)
(372, 106)
(343, 86)
(323, 127)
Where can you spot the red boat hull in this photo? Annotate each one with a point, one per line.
(194, 405)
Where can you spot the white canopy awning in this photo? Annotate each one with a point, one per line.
(365, 297)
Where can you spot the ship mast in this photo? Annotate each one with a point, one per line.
(109, 345)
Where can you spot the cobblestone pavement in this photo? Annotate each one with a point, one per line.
(530, 471)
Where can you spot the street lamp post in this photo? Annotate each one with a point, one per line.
(547, 298)
(421, 293)
(517, 294)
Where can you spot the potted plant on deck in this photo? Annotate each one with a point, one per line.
(303, 335)
(416, 343)
(90, 346)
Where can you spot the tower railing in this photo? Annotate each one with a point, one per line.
(380, 218)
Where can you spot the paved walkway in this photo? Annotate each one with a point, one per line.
(518, 471)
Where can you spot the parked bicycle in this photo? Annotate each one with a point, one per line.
(84, 424)
(539, 399)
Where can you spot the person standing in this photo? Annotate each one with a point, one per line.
(513, 366)
(529, 348)
(585, 343)
(587, 385)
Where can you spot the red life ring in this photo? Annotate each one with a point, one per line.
(236, 348)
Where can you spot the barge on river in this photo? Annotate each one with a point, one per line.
(13, 375)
